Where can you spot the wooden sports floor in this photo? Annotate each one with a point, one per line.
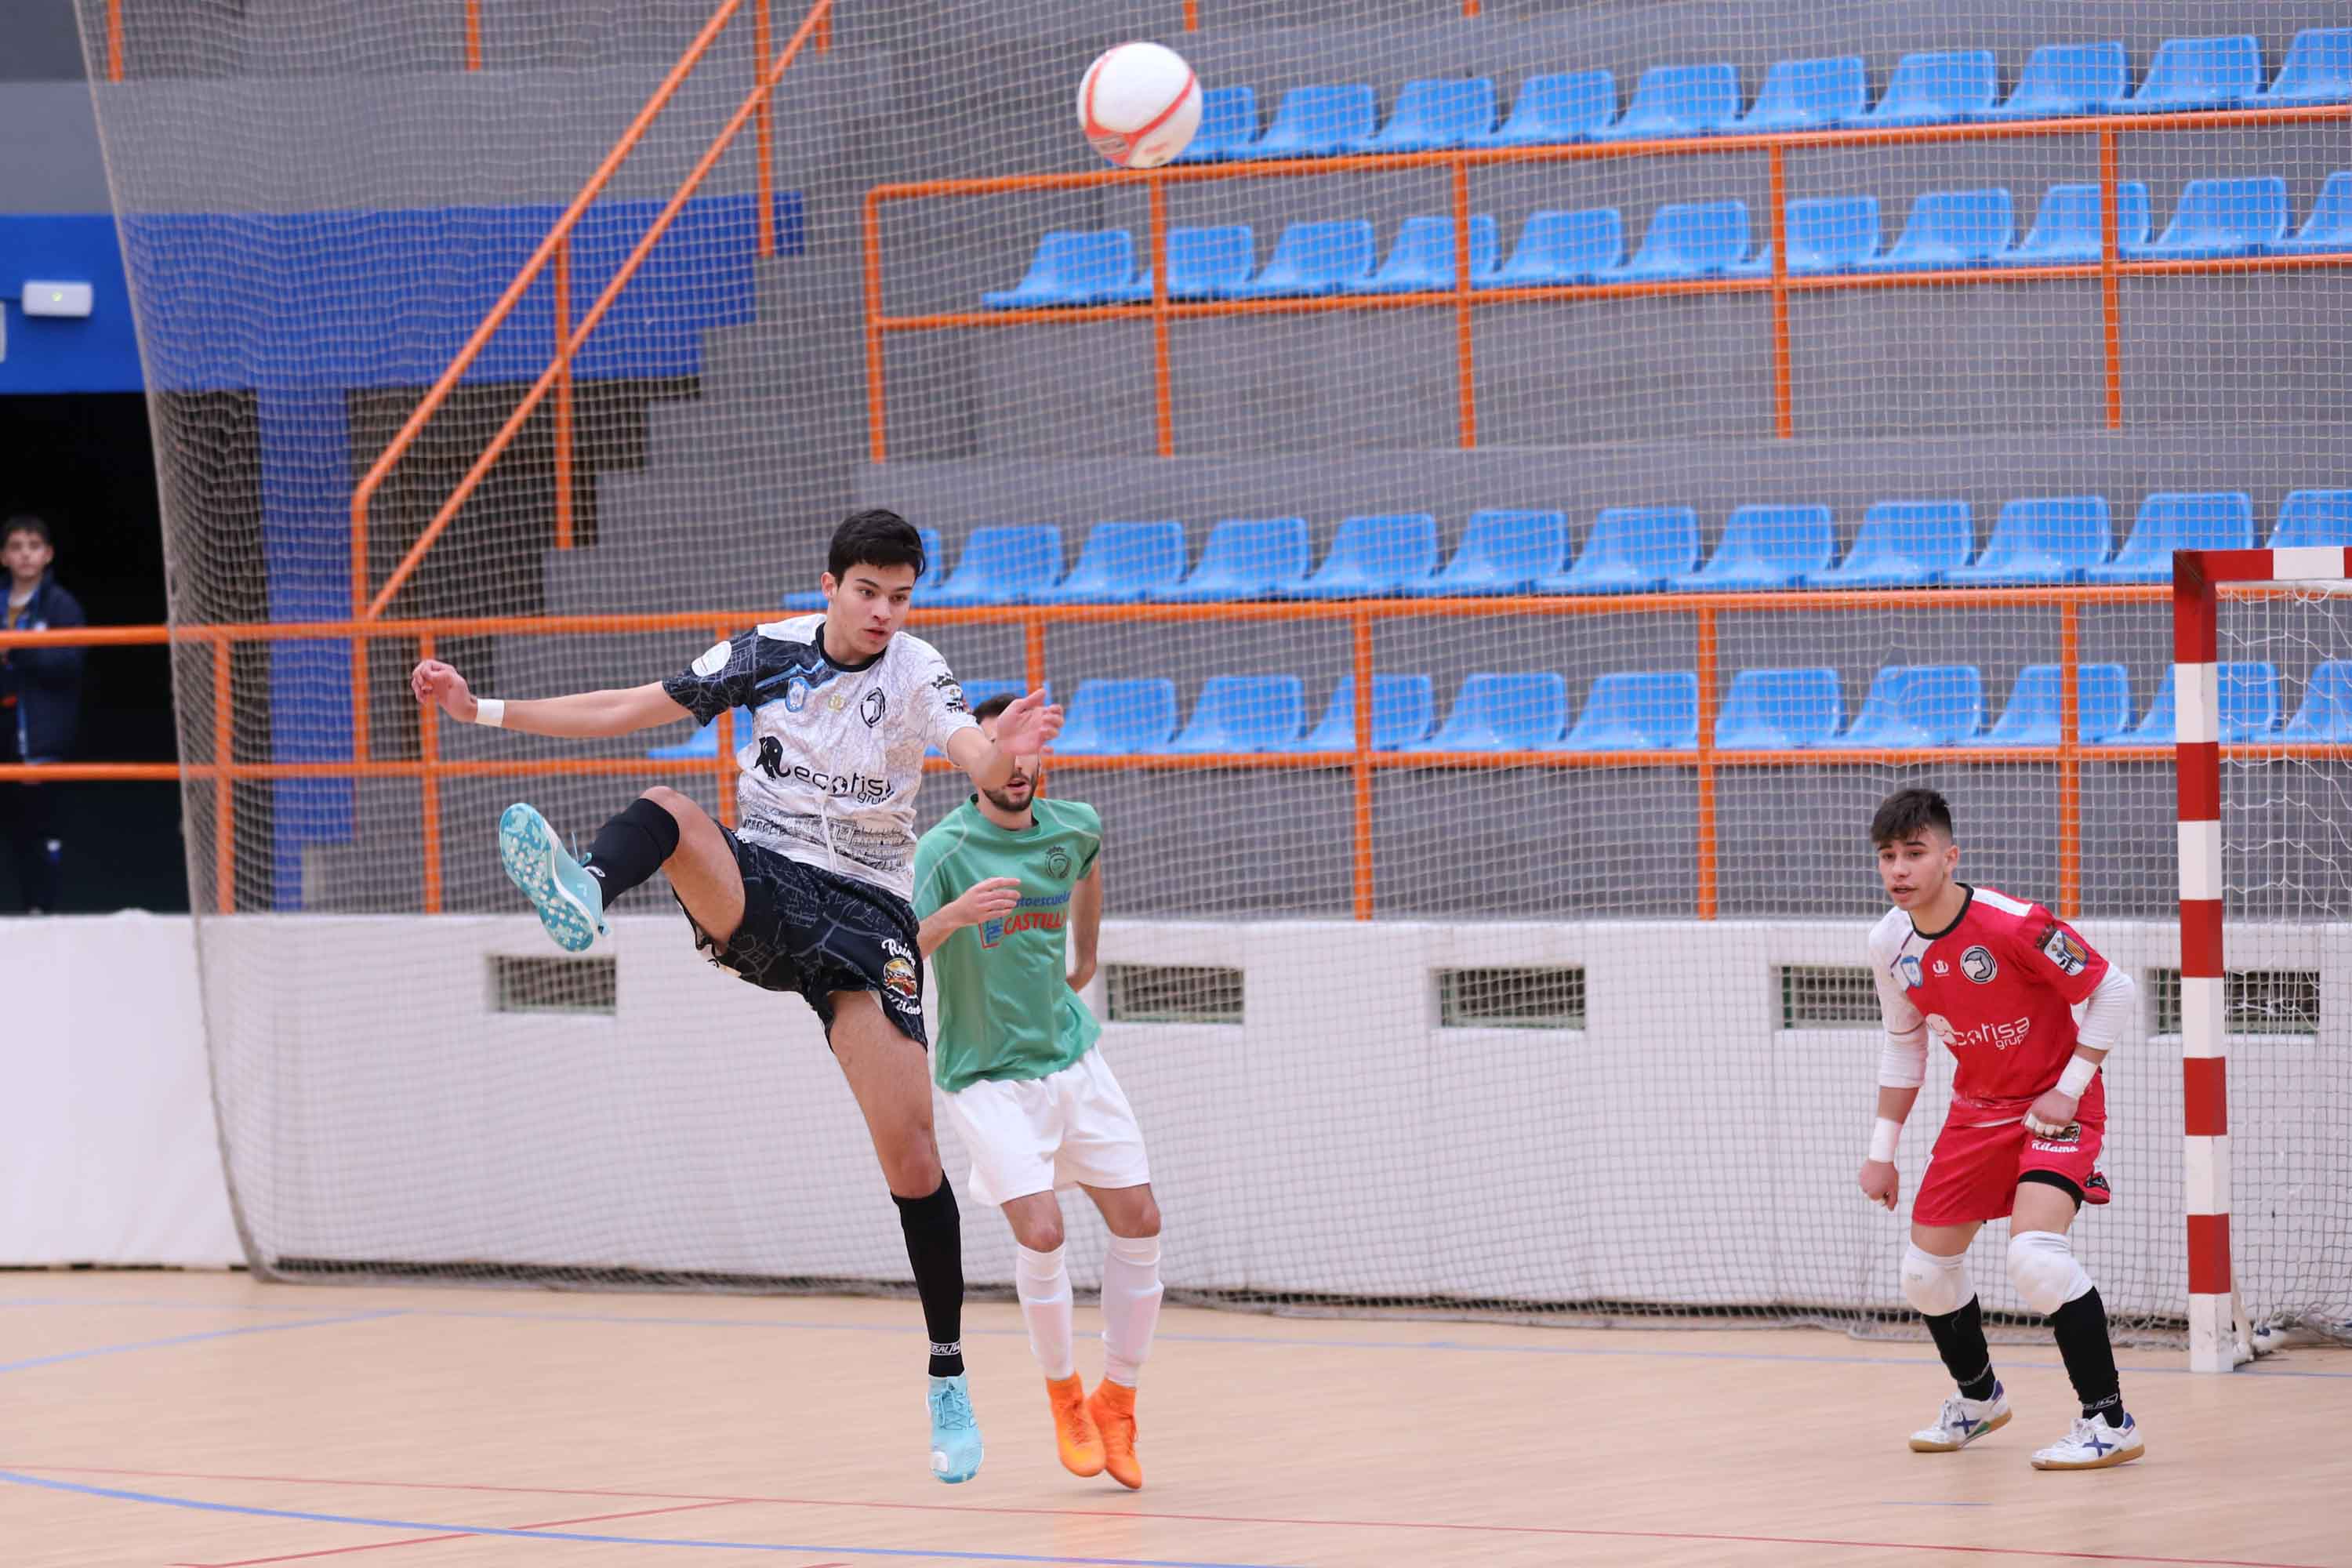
(155, 1420)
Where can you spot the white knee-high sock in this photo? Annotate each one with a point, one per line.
(1130, 1305)
(1042, 1283)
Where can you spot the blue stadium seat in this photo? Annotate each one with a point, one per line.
(1689, 239)
(1244, 713)
(1938, 89)
(1504, 714)
(1831, 234)
(2221, 217)
(1120, 563)
(2248, 702)
(1677, 100)
(2329, 227)
(2212, 520)
(1434, 114)
(2317, 69)
(1638, 711)
(2067, 229)
(1631, 549)
(2036, 542)
(1421, 260)
(2062, 80)
(1554, 110)
(2324, 714)
(1780, 711)
(1950, 229)
(1119, 718)
(1203, 263)
(935, 572)
(1918, 705)
(1228, 126)
(1001, 565)
(1904, 544)
(1072, 267)
(1373, 554)
(980, 688)
(1317, 123)
(2035, 714)
(1246, 558)
(2199, 73)
(1313, 258)
(1502, 553)
(704, 742)
(1404, 710)
(1557, 248)
(1766, 547)
(1808, 95)
(2314, 517)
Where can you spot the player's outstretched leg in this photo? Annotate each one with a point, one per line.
(1131, 1293)
(2043, 1266)
(570, 903)
(1937, 1284)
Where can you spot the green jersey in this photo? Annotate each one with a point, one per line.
(1005, 1008)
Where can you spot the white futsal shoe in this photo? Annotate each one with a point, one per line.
(1961, 1422)
(2093, 1445)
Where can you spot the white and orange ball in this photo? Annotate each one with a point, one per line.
(1140, 105)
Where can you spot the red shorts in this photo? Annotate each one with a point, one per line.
(1973, 1174)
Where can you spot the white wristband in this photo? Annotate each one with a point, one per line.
(1884, 1135)
(491, 712)
(2077, 1077)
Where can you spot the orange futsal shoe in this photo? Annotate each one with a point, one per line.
(1075, 1432)
(1113, 1408)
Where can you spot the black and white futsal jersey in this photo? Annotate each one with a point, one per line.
(836, 756)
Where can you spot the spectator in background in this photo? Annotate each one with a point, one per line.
(40, 707)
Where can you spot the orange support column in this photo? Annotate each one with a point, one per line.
(114, 40)
(224, 782)
(1363, 661)
(473, 35)
(877, 416)
(1783, 421)
(1164, 404)
(428, 752)
(1463, 346)
(1706, 841)
(762, 49)
(1033, 653)
(563, 394)
(2070, 761)
(2110, 290)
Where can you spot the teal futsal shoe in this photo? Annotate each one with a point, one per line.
(570, 902)
(955, 1431)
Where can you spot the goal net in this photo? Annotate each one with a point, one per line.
(1500, 517)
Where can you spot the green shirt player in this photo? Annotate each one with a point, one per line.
(1002, 884)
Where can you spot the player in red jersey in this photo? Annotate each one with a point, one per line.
(1998, 980)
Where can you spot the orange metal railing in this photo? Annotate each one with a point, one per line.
(223, 769)
(2108, 270)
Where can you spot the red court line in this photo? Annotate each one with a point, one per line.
(1547, 1529)
(462, 1535)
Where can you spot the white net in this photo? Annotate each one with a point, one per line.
(1794, 430)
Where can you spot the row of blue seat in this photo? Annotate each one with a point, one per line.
(1933, 88)
(1943, 230)
(2036, 542)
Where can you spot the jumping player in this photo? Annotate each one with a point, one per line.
(810, 895)
(999, 883)
(1996, 980)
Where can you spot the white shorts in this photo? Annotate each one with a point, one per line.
(1035, 1135)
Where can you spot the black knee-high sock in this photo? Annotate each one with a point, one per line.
(935, 1249)
(2081, 1329)
(631, 848)
(1960, 1340)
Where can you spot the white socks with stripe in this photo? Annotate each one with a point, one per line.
(1042, 1283)
(1130, 1305)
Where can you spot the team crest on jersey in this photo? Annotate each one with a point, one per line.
(2059, 946)
(871, 709)
(1057, 861)
(1907, 966)
(1978, 964)
(796, 695)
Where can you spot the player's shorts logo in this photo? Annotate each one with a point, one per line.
(900, 978)
(1978, 965)
(871, 709)
(2061, 1141)
(2059, 946)
(1057, 861)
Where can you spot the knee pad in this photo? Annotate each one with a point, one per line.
(2041, 1266)
(1935, 1285)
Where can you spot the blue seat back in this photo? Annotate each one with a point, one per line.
(2234, 214)
(1935, 535)
(1005, 561)
(1802, 93)
(2035, 712)
(1075, 265)
(2314, 517)
(1682, 100)
(2074, 531)
(1638, 711)
(1245, 557)
(2249, 702)
(1205, 261)
(1928, 89)
(1404, 710)
(1324, 119)
(1513, 546)
(2329, 225)
(1780, 710)
(1787, 540)
(2318, 67)
(1320, 253)
(1383, 548)
(2171, 520)
(1497, 712)
(2202, 73)
(1830, 234)
(2324, 714)
(1958, 226)
(1245, 713)
(1129, 556)
(1693, 239)
(1920, 705)
(1228, 125)
(1111, 717)
(1422, 256)
(1659, 541)
(1565, 247)
(2071, 78)
(935, 561)
(1561, 106)
(2066, 227)
(1446, 111)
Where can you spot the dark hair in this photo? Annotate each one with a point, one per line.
(25, 522)
(1903, 814)
(992, 707)
(875, 537)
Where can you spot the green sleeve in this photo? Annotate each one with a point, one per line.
(1092, 823)
(928, 855)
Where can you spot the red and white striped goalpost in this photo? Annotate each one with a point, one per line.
(2219, 1336)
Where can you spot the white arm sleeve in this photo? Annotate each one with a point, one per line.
(1903, 1061)
(2105, 1012)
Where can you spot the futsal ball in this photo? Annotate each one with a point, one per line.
(1140, 105)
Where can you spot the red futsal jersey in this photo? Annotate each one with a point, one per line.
(1997, 987)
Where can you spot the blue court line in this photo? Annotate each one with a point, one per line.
(117, 1494)
(191, 1339)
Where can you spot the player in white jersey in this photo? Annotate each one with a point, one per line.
(810, 894)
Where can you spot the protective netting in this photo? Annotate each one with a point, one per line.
(1552, 1000)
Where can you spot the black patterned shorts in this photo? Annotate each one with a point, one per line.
(808, 930)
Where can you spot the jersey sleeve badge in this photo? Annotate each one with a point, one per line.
(2059, 946)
